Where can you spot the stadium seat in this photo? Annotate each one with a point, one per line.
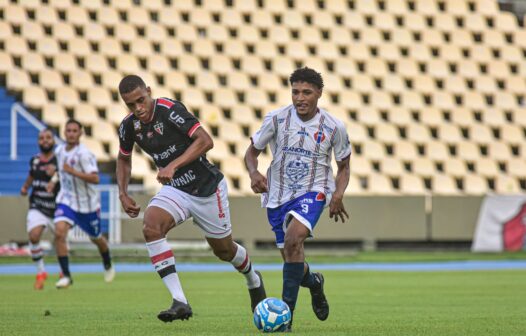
(507, 185)
(455, 167)
(475, 185)
(54, 115)
(443, 185)
(411, 184)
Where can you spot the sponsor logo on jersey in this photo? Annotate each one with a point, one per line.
(298, 151)
(281, 120)
(303, 133)
(137, 125)
(184, 179)
(319, 137)
(306, 200)
(122, 132)
(177, 118)
(320, 197)
(161, 156)
(159, 127)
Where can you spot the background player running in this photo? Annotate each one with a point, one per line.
(42, 167)
(192, 187)
(78, 201)
(300, 181)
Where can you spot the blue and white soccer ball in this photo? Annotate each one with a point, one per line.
(272, 315)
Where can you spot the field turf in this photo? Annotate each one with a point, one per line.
(362, 303)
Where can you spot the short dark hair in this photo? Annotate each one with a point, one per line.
(130, 83)
(74, 121)
(48, 129)
(307, 75)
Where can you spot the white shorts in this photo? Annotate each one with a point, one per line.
(36, 218)
(211, 214)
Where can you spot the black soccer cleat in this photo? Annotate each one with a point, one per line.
(257, 294)
(178, 311)
(320, 306)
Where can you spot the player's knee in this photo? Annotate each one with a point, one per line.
(151, 232)
(293, 244)
(34, 238)
(60, 235)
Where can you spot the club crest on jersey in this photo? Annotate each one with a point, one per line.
(149, 134)
(296, 170)
(319, 137)
(320, 197)
(158, 127)
(137, 125)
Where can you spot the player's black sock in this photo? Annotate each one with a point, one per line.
(64, 265)
(308, 280)
(292, 275)
(106, 259)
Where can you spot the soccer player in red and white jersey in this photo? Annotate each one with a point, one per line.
(192, 187)
(41, 202)
(299, 183)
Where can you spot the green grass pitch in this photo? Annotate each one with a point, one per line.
(362, 303)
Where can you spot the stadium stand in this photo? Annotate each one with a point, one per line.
(432, 91)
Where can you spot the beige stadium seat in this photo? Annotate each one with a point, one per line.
(402, 38)
(138, 16)
(243, 115)
(234, 48)
(96, 148)
(420, 52)
(55, 115)
(77, 15)
(474, 100)
(456, 7)
(327, 50)
(266, 49)
(411, 184)
(499, 151)
(203, 48)
(443, 100)
(231, 18)
(312, 35)
(393, 84)
(63, 31)
(412, 100)
(432, 38)
(407, 67)
(86, 114)
(486, 167)
(366, 6)
(455, 167)
(379, 184)
(79, 47)
(405, 150)
(515, 85)
(384, 21)
(233, 166)
(33, 62)
(127, 63)
(279, 34)
(499, 69)
(376, 67)
(50, 79)
(462, 38)
(17, 79)
(380, 100)
(261, 18)
(207, 81)
(437, 150)
(112, 47)
(32, 31)
(345, 67)
(15, 14)
(373, 150)
(193, 97)
(449, 133)
(297, 50)
(494, 38)
(451, 53)
(15, 45)
(157, 64)
(519, 116)
(367, 115)
(231, 132)
(480, 134)
(507, 185)
(418, 133)
(455, 85)
(108, 16)
(125, 32)
(99, 97)
(397, 6)
(6, 62)
(427, 7)
(104, 131)
(240, 81)
(354, 187)
(389, 52)
(391, 166)
(141, 166)
(475, 185)
(94, 32)
(357, 132)
(371, 36)
(225, 97)
(474, 22)
(293, 20)
(511, 53)
(445, 22)
(155, 33)
(359, 52)
(444, 185)
(34, 97)
(282, 66)
(256, 98)
(175, 80)
(361, 83)
(96, 63)
(494, 117)
(431, 116)
(512, 134)
(116, 112)
(220, 150)
(485, 84)
(252, 65)
(438, 68)
(423, 167)
(48, 46)
(138, 47)
(386, 133)
(92, 4)
(308, 7)
(480, 53)
(517, 167)
(468, 151)
(399, 116)
(217, 33)
(505, 100)
(111, 79)
(360, 166)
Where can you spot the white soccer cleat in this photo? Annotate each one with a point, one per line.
(64, 282)
(109, 274)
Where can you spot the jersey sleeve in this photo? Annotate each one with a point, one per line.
(263, 136)
(342, 145)
(31, 170)
(125, 138)
(89, 162)
(183, 120)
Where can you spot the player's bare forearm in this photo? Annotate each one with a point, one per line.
(123, 172)
(202, 143)
(26, 185)
(251, 159)
(342, 177)
(258, 182)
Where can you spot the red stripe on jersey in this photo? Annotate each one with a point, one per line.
(164, 102)
(192, 130)
(162, 256)
(123, 152)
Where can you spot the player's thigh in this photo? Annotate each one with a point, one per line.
(212, 214)
(168, 208)
(296, 231)
(158, 220)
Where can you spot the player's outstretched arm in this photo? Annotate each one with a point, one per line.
(258, 182)
(336, 207)
(201, 143)
(123, 172)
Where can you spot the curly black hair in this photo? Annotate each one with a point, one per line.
(307, 75)
(130, 83)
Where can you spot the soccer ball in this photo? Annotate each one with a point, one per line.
(272, 315)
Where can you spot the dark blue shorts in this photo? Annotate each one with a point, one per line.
(307, 209)
(88, 222)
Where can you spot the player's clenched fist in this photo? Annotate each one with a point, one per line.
(129, 206)
(258, 182)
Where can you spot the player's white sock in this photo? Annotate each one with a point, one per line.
(37, 254)
(164, 262)
(243, 264)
